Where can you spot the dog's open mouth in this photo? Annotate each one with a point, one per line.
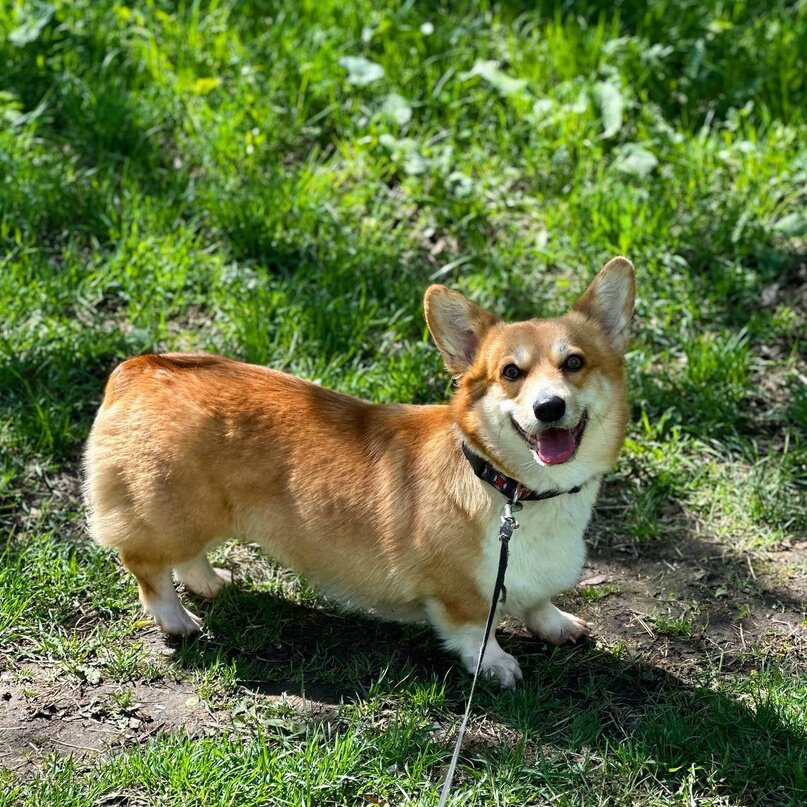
(554, 446)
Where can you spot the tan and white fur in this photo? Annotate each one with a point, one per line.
(375, 503)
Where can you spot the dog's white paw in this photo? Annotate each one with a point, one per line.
(176, 620)
(202, 579)
(505, 669)
(496, 664)
(555, 626)
(211, 586)
(466, 640)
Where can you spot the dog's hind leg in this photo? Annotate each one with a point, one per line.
(159, 597)
(201, 578)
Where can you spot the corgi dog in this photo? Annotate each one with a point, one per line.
(378, 504)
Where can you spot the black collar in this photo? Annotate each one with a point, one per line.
(505, 484)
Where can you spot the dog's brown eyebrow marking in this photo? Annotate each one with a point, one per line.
(562, 346)
(521, 356)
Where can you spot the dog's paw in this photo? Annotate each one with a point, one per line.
(177, 621)
(555, 626)
(215, 583)
(505, 669)
(466, 641)
(202, 579)
(496, 664)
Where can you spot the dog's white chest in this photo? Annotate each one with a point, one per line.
(546, 551)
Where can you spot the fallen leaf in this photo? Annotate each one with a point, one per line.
(594, 580)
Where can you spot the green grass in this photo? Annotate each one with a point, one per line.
(217, 176)
(597, 593)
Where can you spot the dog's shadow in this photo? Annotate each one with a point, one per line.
(580, 699)
(314, 651)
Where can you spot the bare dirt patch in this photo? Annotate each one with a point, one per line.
(83, 720)
(676, 600)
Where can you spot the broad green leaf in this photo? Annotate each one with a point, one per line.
(542, 112)
(793, 225)
(542, 107)
(361, 71)
(610, 103)
(39, 15)
(490, 71)
(635, 160)
(461, 185)
(202, 86)
(397, 108)
(405, 152)
(10, 106)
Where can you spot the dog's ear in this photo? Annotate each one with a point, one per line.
(457, 326)
(608, 301)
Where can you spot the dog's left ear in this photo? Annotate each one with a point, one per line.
(457, 326)
(609, 301)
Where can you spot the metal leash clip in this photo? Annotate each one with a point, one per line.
(509, 523)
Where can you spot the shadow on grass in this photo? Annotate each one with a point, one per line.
(574, 700)
(588, 700)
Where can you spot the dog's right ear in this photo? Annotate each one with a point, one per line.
(457, 326)
(609, 299)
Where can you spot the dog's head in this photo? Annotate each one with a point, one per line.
(544, 400)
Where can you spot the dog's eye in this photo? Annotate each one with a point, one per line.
(511, 372)
(573, 362)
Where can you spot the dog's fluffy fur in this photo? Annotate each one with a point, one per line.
(375, 503)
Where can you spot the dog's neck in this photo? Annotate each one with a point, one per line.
(506, 485)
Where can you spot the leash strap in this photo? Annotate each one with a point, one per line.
(509, 525)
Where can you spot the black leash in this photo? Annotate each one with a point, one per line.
(515, 492)
(509, 526)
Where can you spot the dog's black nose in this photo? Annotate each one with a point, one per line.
(550, 409)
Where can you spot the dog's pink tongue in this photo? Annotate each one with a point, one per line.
(556, 446)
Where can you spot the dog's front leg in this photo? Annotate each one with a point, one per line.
(557, 627)
(462, 627)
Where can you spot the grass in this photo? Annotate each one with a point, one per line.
(279, 182)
